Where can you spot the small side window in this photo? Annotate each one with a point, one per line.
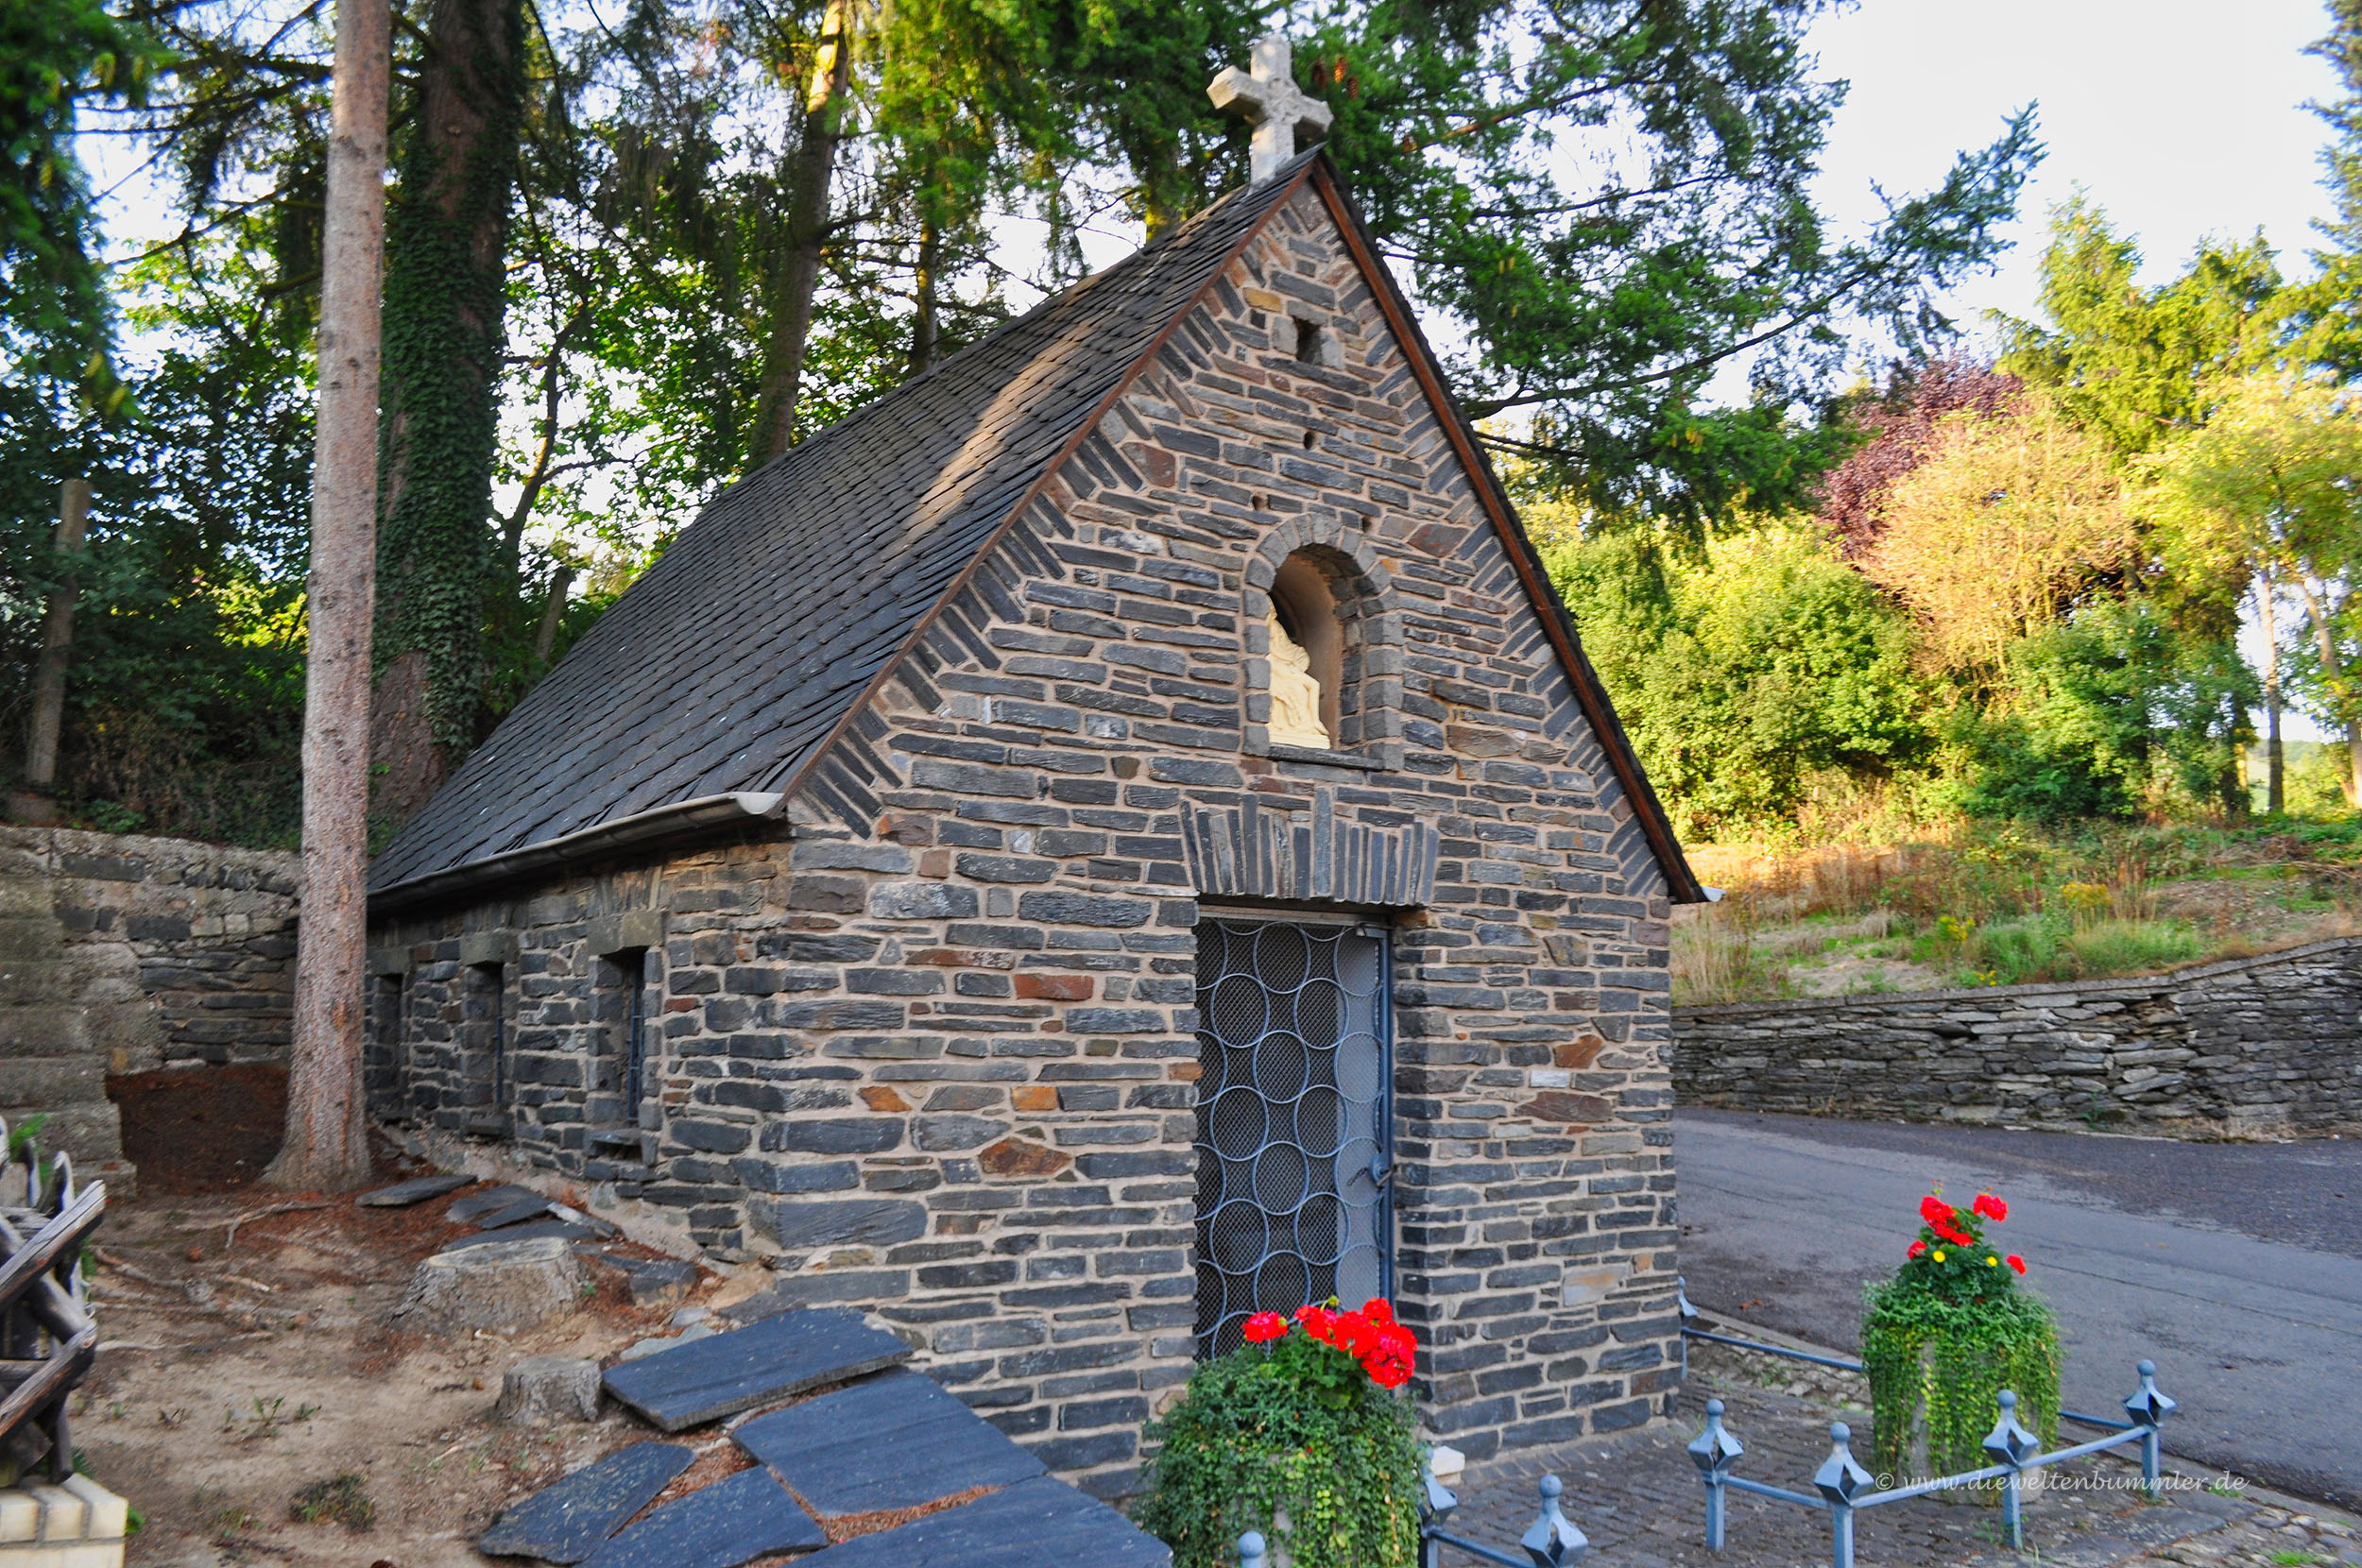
(619, 1089)
(487, 1019)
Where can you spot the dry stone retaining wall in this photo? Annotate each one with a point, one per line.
(123, 953)
(2252, 1046)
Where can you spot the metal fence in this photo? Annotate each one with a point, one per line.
(1844, 1487)
(1841, 1487)
(1552, 1542)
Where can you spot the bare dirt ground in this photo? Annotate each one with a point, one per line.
(246, 1369)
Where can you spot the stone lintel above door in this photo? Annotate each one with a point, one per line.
(1254, 850)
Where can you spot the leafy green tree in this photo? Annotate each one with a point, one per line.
(2129, 363)
(1749, 674)
(1601, 294)
(2009, 520)
(2266, 488)
(56, 57)
(186, 680)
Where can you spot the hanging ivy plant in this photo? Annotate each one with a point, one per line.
(1300, 1434)
(1946, 1334)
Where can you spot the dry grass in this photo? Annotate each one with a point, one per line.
(1961, 906)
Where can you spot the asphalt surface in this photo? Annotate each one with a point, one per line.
(2236, 1268)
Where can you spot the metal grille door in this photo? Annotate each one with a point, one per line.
(1293, 1131)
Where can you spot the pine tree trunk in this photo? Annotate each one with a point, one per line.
(924, 329)
(326, 1146)
(446, 286)
(57, 640)
(2275, 798)
(810, 179)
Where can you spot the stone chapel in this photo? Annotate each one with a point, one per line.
(1117, 835)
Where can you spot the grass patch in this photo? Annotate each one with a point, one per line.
(339, 1500)
(1973, 904)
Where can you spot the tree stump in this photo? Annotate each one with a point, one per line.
(494, 1284)
(554, 1388)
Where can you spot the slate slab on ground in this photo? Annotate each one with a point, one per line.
(894, 1440)
(568, 1521)
(764, 1362)
(467, 1209)
(557, 1227)
(733, 1521)
(416, 1190)
(512, 1213)
(1026, 1526)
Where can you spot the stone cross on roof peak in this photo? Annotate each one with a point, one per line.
(1272, 103)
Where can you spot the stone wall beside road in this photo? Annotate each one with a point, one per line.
(2255, 1046)
(123, 953)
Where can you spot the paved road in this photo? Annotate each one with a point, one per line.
(2237, 1268)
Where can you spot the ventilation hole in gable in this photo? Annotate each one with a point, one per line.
(1307, 342)
(1308, 440)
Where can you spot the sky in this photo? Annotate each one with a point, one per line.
(2181, 118)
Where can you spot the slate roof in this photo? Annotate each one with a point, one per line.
(733, 657)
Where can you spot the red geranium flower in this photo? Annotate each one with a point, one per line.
(1917, 1247)
(1265, 1325)
(1990, 1207)
(1355, 1335)
(1376, 1311)
(2015, 1262)
(1935, 1210)
(1388, 1363)
(1319, 1322)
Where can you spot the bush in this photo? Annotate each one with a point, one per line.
(1293, 1435)
(1750, 677)
(2107, 713)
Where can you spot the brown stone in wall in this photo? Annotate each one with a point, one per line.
(1016, 1157)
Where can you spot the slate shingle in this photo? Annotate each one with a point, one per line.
(734, 655)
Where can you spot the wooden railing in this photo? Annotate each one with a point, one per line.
(48, 1339)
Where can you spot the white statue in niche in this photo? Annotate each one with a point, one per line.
(1295, 696)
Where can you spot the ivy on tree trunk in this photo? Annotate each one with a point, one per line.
(445, 286)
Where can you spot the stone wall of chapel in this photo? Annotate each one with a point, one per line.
(936, 1055)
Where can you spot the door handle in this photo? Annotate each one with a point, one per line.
(1381, 1173)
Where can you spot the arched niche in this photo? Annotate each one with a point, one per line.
(1319, 605)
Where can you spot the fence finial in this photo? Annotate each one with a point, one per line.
(2011, 1444)
(2146, 1406)
(2008, 1442)
(2149, 1409)
(1436, 1500)
(1839, 1478)
(1554, 1541)
(1712, 1451)
(1251, 1550)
